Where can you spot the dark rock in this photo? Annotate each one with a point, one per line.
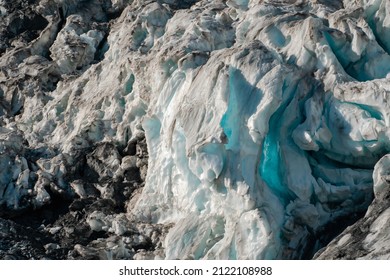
(21, 243)
(104, 161)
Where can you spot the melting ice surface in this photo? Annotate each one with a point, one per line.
(274, 137)
(264, 121)
(270, 162)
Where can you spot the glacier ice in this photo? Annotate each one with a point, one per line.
(263, 121)
(368, 238)
(271, 139)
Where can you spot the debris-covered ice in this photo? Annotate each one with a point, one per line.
(194, 129)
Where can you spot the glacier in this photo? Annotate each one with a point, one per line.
(269, 141)
(266, 123)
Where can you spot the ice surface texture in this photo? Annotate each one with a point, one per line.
(369, 237)
(254, 153)
(263, 119)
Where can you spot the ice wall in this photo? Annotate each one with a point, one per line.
(263, 119)
(254, 153)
